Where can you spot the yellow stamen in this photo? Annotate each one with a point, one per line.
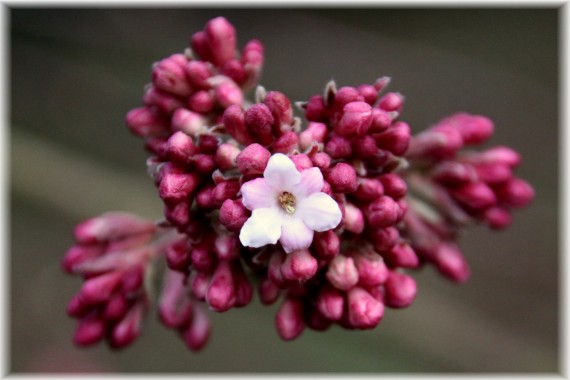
(287, 202)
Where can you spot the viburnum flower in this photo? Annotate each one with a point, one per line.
(287, 205)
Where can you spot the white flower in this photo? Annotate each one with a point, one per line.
(287, 205)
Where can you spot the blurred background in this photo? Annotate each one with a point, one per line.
(74, 73)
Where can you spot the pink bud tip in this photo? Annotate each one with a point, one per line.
(395, 139)
(198, 73)
(259, 121)
(301, 161)
(316, 110)
(381, 120)
(326, 244)
(321, 160)
(364, 311)
(111, 226)
(315, 133)
(353, 219)
(201, 101)
(253, 159)
(226, 156)
(268, 292)
(330, 303)
(342, 272)
(221, 39)
(451, 263)
(369, 93)
(223, 191)
(228, 94)
(176, 188)
(198, 331)
(226, 247)
(99, 289)
(453, 173)
(145, 122)
(402, 255)
(515, 193)
(394, 185)
(391, 101)
(180, 147)
(165, 102)
(177, 213)
(202, 258)
(344, 96)
(369, 189)
(280, 107)
(474, 129)
(178, 255)
(221, 295)
(170, 75)
(299, 266)
(365, 148)
(383, 212)
(400, 290)
(338, 147)
(285, 143)
(475, 196)
(356, 119)
(128, 330)
(289, 319)
(342, 178)
(498, 218)
(89, 330)
(274, 269)
(233, 214)
(243, 288)
(383, 239)
(234, 69)
(371, 269)
(191, 123)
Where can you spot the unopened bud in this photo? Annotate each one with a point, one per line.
(180, 147)
(372, 270)
(301, 161)
(515, 193)
(330, 303)
(364, 311)
(198, 73)
(233, 214)
(191, 123)
(356, 119)
(175, 188)
(326, 244)
(451, 263)
(89, 330)
(395, 139)
(299, 266)
(315, 133)
(342, 272)
(253, 159)
(342, 178)
(259, 121)
(338, 147)
(221, 39)
(400, 290)
(198, 331)
(268, 292)
(146, 122)
(394, 185)
(285, 143)
(353, 219)
(128, 329)
(289, 319)
(315, 110)
(391, 101)
(402, 255)
(221, 295)
(383, 212)
(170, 75)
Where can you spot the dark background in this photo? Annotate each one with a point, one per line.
(74, 74)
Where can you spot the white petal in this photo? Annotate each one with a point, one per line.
(258, 194)
(295, 234)
(281, 173)
(311, 182)
(262, 228)
(319, 212)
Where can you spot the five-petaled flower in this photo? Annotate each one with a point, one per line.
(287, 205)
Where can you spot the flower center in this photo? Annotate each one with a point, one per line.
(287, 202)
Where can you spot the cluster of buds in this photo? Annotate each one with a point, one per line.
(453, 188)
(318, 218)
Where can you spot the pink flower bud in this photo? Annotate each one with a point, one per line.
(326, 244)
(177, 213)
(451, 263)
(89, 330)
(169, 75)
(315, 320)
(199, 285)
(226, 247)
(280, 107)
(321, 160)
(188, 122)
(204, 164)
(165, 102)
(129, 329)
(401, 255)
(395, 139)
(178, 255)
(180, 147)
(208, 144)
(243, 288)
(198, 73)
(500, 155)
(233, 214)
(391, 101)
(330, 303)
(315, 133)
(453, 173)
(364, 311)
(234, 69)
(497, 218)
(383, 239)
(79, 254)
(394, 186)
(259, 121)
(204, 197)
(175, 188)
(146, 122)
(301, 161)
(268, 292)
(474, 129)
(253, 159)
(344, 96)
(252, 60)
(435, 143)
(475, 196)
(381, 120)
(356, 119)
(342, 178)
(199, 43)
(202, 257)
(289, 319)
(400, 290)
(515, 193)
(371, 269)
(228, 94)
(368, 189)
(98, 289)
(285, 143)
(369, 93)
(315, 109)
(111, 226)
(198, 331)
(299, 266)
(223, 191)
(221, 38)
(226, 156)
(221, 293)
(133, 278)
(201, 101)
(383, 212)
(353, 219)
(76, 308)
(365, 147)
(342, 273)
(338, 147)
(493, 174)
(175, 307)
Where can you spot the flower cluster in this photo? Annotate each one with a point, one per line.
(312, 212)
